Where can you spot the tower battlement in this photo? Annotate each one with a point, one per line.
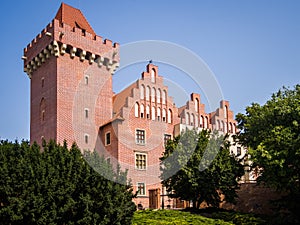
(69, 32)
(59, 38)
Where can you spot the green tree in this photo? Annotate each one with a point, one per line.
(58, 186)
(198, 167)
(272, 134)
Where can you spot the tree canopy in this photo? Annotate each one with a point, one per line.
(272, 134)
(58, 186)
(198, 167)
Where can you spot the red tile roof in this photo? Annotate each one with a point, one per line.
(73, 17)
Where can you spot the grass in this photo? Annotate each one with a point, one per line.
(162, 217)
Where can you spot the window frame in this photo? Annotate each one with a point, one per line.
(138, 140)
(137, 161)
(106, 139)
(166, 139)
(143, 185)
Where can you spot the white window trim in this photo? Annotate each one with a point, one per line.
(144, 136)
(140, 153)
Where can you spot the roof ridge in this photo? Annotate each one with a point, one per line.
(72, 16)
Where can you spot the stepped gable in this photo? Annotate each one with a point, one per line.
(74, 18)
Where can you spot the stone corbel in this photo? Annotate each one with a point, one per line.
(82, 55)
(73, 52)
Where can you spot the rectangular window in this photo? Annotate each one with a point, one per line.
(166, 138)
(107, 138)
(141, 189)
(140, 137)
(238, 151)
(140, 161)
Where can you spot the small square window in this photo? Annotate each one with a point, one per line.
(107, 138)
(140, 137)
(141, 189)
(140, 161)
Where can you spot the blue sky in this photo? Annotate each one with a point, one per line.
(252, 47)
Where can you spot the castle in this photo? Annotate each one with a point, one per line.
(70, 70)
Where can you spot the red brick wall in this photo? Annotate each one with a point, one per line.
(46, 128)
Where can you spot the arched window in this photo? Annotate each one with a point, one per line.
(187, 118)
(153, 94)
(148, 112)
(206, 122)
(223, 126)
(153, 76)
(201, 121)
(218, 125)
(197, 105)
(196, 121)
(164, 115)
(142, 92)
(169, 116)
(42, 110)
(158, 114)
(147, 93)
(225, 111)
(158, 95)
(192, 120)
(142, 111)
(230, 128)
(164, 97)
(136, 109)
(153, 113)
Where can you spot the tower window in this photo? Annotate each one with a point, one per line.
(86, 113)
(43, 82)
(86, 80)
(42, 110)
(86, 138)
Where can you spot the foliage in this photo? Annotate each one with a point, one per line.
(58, 186)
(205, 168)
(162, 217)
(272, 133)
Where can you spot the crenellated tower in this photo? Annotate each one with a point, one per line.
(70, 70)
